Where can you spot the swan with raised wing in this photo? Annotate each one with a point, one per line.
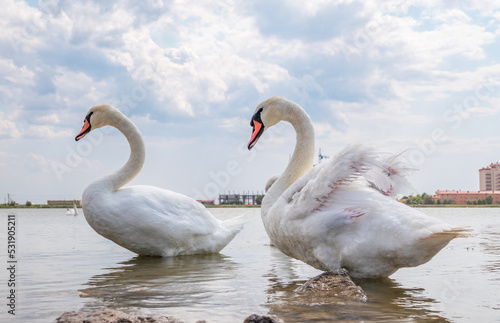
(342, 213)
(145, 219)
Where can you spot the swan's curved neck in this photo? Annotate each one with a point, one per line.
(134, 164)
(303, 155)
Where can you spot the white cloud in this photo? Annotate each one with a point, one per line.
(324, 129)
(8, 129)
(47, 132)
(481, 112)
(16, 75)
(75, 88)
(232, 124)
(37, 163)
(450, 16)
(427, 49)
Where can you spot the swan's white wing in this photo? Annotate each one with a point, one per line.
(388, 175)
(177, 214)
(315, 190)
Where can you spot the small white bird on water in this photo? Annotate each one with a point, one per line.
(73, 211)
(340, 214)
(145, 219)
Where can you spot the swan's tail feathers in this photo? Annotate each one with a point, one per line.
(236, 224)
(441, 239)
(428, 247)
(460, 232)
(390, 175)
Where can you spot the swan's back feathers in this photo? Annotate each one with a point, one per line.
(181, 214)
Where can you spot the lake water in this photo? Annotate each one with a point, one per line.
(63, 265)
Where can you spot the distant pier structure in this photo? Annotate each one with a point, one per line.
(240, 199)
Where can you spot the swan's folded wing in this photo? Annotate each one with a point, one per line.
(313, 191)
(191, 217)
(174, 213)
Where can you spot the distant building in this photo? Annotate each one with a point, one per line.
(64, 202)
(239, 199)
(489, 185)
(462, 197)
(489, 178)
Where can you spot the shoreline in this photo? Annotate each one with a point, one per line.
(38, 206)
(44, 206)
(454, 206)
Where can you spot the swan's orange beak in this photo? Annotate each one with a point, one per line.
(85, 129)
(256, 132)
(257, 128)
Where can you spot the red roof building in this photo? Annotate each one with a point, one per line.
(462, 197)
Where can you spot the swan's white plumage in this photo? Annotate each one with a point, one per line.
(341, 213)
(145, 219)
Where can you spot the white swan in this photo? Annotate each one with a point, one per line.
(145, 219)
(72, 211)
(339, 213)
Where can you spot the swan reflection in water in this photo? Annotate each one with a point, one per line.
(388, 300)
(156, 282)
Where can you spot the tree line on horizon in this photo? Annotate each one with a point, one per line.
(426, 199)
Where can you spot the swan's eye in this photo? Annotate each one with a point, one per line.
(88, 116)
(256, 117)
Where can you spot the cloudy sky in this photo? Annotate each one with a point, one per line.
(418, 75)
